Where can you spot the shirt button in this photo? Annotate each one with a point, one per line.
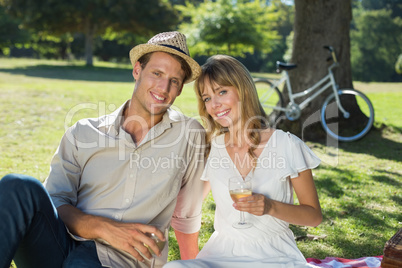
(116, 217)
(127, 200)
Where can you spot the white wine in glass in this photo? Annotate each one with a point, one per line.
(161, 244)
(239, 188)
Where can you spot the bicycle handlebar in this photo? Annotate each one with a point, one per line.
(333, 54)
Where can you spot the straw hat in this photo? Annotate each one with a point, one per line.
(171, 42)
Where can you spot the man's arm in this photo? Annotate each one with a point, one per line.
(188, 244)
(129, 237)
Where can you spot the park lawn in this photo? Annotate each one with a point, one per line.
(359, 183)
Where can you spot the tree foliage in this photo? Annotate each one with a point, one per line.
(225, 27)
(254, 30)
(284, 26)
(394, 5)
(93, 17)
(398, 65)
(10, 33)
(375, 45)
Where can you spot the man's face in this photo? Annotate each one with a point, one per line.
(157, 85)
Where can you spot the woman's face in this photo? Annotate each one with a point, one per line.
(222, 104)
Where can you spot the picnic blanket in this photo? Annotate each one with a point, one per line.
(334, 262)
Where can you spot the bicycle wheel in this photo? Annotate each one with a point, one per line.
(270, 98)
(355, 125)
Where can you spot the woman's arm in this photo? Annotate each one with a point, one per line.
(307, 213)
(188, 245)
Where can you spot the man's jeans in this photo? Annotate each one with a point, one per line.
(31, 231)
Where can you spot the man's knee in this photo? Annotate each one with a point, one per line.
(20, 183)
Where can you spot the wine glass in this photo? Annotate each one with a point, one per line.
(238, 188)
(161, 244)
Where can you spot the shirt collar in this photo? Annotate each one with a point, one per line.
(114, 121)
(111, 123)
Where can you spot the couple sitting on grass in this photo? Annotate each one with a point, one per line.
(114, 178)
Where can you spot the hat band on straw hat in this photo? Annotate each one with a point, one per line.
(175, 48)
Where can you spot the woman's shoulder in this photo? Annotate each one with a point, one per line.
(285, 140)
(281, 135)
(266, 135)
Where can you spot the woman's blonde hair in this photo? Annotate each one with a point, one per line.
(225, 70)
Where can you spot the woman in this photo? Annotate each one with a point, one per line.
(243, 145)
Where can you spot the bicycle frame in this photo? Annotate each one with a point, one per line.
(326, 82)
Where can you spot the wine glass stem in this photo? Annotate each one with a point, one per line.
(242, 220)
(152, 262)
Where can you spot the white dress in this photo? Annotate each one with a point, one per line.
(270, 242)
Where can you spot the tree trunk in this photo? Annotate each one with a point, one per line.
(89, 37)
(318, 23)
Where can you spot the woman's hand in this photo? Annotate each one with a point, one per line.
(306, 213)
(256, 204)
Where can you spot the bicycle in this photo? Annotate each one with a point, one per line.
(338, 127)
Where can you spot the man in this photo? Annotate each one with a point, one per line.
(113, 177)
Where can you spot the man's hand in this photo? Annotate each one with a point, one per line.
(132, 238)
(129, 237)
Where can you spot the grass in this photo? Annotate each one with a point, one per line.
(359, 183)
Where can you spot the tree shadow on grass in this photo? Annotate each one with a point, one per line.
(350, 242)
(330, 187)
(74, 72)
(360, 211)
(386, 179)
(335, 186)
(376, 145)
(354, 216)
